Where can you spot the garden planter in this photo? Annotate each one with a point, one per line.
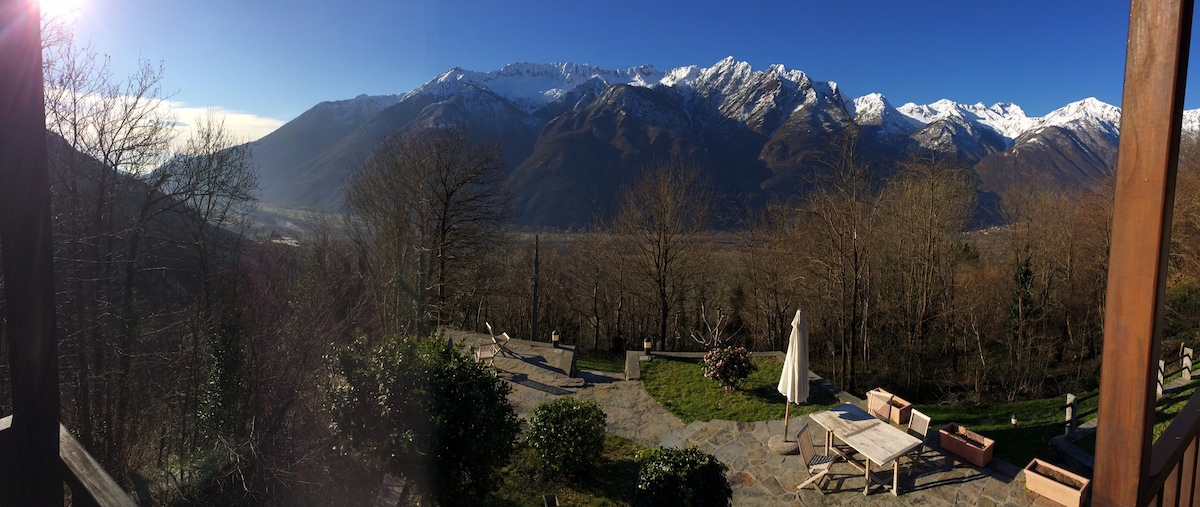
(901, 408)
(967, 444)
(1056, 483)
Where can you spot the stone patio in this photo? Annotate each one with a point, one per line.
(539, 372)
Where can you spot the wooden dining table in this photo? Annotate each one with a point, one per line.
(878, 441)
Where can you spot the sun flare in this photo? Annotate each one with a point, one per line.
(64, 10)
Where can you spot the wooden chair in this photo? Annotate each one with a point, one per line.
(918, 426)
(879, 405)
(817, 464)
(486, 353)
(499, 343)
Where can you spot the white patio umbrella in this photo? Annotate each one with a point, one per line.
(793, 382)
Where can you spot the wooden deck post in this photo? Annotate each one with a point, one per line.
(30, 468)
(1162, 379)
(1070, 416)
(1152, 109)
(1187, 364)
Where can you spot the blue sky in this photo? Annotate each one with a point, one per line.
(275, 59)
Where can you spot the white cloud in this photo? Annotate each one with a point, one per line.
(244, 126)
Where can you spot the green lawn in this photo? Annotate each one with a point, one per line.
(593, 361)
(680, 386)
(609, 483)
(1037, 422)
(1165, 410)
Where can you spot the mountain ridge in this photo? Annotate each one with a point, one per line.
(754, 132)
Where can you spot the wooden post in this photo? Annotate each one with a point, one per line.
(1187, 364)
(1148, 153)
(1070, 424)
(1158, 389)
(30, 468)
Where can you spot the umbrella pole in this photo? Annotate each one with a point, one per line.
(786, 416)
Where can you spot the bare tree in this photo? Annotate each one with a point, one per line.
(774, 279)
(124, 203)
(924, 209)
(660, 223)
(105, 134)
(842, 209)
(424, 207)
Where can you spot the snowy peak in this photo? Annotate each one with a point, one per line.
(875, 110)
(741, 93)
(729, 74)
(1191, 121)
(530, 86)
(1008, 120)
(350, 112)
(1087, 110)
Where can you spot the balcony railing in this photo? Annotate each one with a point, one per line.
(90, 485)
(1173, 461)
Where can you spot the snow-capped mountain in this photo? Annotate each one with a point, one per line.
(532, 86)
(1008, 120)
(574, 134)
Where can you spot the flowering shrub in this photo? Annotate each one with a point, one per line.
(728, 365)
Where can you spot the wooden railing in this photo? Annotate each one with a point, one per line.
(1073, 415)
(90, 485)
(1173, 461)
(1184, 368)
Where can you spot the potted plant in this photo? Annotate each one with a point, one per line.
(1055, 483)
(901, 408)
(967, 444)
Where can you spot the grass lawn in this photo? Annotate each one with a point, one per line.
(1037, 422)
(593, 361)
(679, 386)
(609, 483)
(1165, 410)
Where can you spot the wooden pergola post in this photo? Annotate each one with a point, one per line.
(30, 467)
(1152, 110)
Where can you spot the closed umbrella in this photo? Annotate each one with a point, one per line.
(793, 382)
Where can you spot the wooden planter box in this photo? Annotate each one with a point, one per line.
(967, 444)
(1056, 483)
(901, 408)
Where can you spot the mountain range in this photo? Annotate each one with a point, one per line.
(574, 135)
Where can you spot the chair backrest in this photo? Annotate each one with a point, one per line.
(500, 340)
(489, 326)
(918, 425)
(807, 451)
(879, 405)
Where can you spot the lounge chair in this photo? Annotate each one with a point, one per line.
(817, 464)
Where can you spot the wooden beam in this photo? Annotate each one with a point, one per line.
(1152, 109)
(90, 484)
(29, 462)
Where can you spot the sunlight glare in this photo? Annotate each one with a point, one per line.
(64, 10)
